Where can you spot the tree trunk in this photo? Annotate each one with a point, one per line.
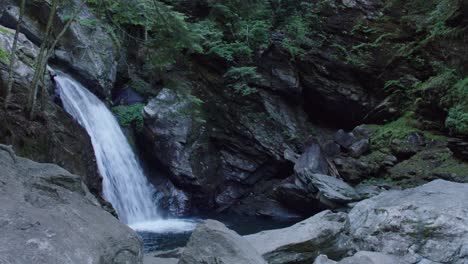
(41, 60)
(13, 55)
(48, 51)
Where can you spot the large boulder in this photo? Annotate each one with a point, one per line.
(49, 216)
(311, 162)
(361, 257)
(304, 241)
(427, 224)
(218, 151)
(333, 191)
(213, 243)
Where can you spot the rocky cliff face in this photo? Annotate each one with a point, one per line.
(49, 216)
(227, 150)
(54, 136)
(270, 152)
(86, 50)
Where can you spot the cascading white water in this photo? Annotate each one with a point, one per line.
(124, 183)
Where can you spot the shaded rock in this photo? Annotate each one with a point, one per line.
(260, 201)
(168, 127)
(420, 224)
(331, 149)
(279, 74)
(359, 148)
(385, 111)
(49, 216)
(213, 243)
(344, 139)
(333, 190)
(173, 200)
(363, 131)
(294, 195)
(304, 241)
(217, 152)
(290, 155)
(412, 144)
(459, 148)
(353, 170)
(340, 99)
(311, 161)
(128, 96)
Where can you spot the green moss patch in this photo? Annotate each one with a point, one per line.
(428, 165)
(4, 56)
(399, 129)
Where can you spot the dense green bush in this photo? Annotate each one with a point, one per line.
(130, 115)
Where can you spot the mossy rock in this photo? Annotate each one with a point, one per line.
(428, 165)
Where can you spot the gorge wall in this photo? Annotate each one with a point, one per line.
(258, 150)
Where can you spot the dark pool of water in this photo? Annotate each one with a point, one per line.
(242, 225)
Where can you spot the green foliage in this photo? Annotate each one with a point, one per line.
(5, 31)
(458, 119)
(130, 115)
(458, 114)
(90, 23)
(142, 87)
(165, 31)
(430, 17)
(393, 84)
(298, 35)
(4, 56)
(240, 79)
(450, 92)
(398, 129)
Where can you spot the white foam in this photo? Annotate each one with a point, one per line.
(165, 226)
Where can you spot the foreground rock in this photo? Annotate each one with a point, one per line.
(362, 257)
(213, 243)
(49, 216)
(303, 242)
(427, 223)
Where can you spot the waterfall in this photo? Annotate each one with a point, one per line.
(124, 183)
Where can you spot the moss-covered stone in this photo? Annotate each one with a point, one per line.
(430, 164)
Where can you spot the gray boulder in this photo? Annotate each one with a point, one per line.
(213, 243)
(332, 191)
(362, 257)
(312, 161)
(168, 125)
(423, 224)
(358, 148)
(49, 216)
(304, 241)
(344, 139)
